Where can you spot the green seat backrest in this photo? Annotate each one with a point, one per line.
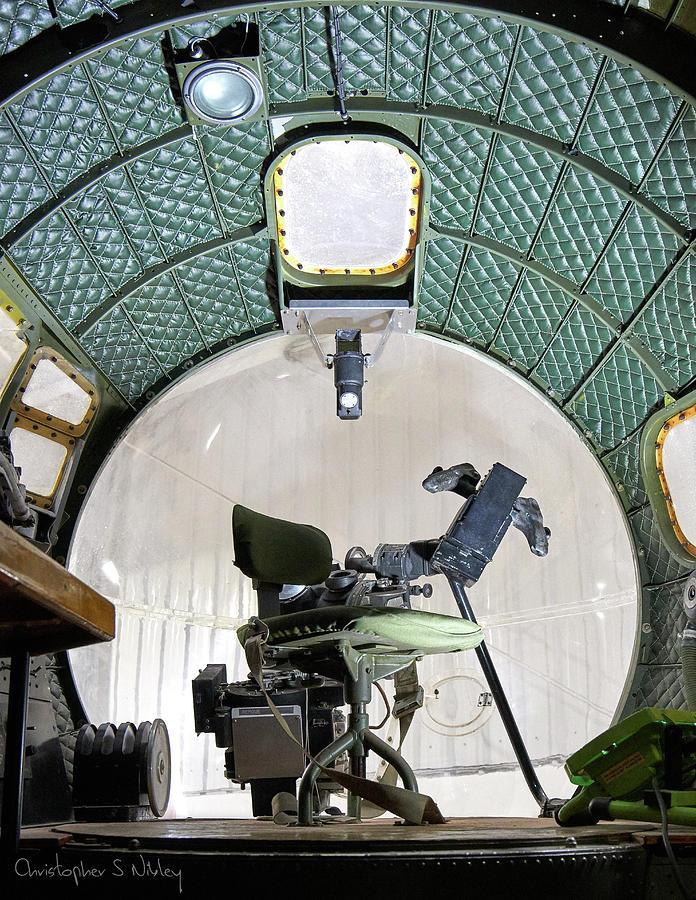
(277, 551)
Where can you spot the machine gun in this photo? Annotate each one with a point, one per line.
(292, 571)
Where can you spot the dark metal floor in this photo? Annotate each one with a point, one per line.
(494, 857)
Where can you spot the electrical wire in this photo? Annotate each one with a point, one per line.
(666, 841)
(338, 66)
(386, 703)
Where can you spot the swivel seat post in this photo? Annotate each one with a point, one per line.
(357, 691)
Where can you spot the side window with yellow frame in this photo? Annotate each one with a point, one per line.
(52, 410)
(668, 464)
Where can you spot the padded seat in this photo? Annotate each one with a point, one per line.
(388, 630)
(360, 644)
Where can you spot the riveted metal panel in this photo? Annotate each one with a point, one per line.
(210, 287)
(119, 350)
(578, 225)
(175, 194)
(455, 156)
(618, 398)
(440, 268)
(20, 20)
(672, 182)
(532, 320)
(668, 324)
(408, 43)
(234, 157)
(470, 56)
(627, 121)
(97, 223)
(60, 270)
(519, 185)
(164, 322)
(134, 91)
(575, 348)
(22, 188)
(550, 85)
(484, 289)
(636, 257)
(64, 126)
(281, 42)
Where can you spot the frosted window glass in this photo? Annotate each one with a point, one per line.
(40, 459)
(347, 204)
(12, 348)
(679, 466)
(55, 393)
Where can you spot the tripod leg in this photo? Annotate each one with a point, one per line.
(311, 773)
(506, 715)
(381, 748)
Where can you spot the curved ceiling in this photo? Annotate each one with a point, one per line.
(561, 220)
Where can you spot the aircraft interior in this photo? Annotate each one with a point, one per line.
(347, 449)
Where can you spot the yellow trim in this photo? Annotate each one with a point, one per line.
(291, 260)
(676, 420)
(38, 415)
(46, 501)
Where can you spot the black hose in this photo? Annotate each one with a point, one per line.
(667, 843)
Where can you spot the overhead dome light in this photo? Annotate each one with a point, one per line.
(222, 92)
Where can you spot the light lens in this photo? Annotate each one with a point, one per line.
(222, 92)
(348, 400)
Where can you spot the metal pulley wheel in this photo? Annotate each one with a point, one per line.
(155, 763)
(124, 766)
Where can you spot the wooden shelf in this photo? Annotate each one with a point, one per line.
(43, 608)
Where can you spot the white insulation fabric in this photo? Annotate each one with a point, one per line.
(258, 426)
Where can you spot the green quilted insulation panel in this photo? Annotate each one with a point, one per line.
(637, 255)
(470, 57)
(518, 188)
(534, 316)
(132, 86)
(22, 187)
(627, 121)
(623, 464)
(21, 20)
(139, 237)
(668, 324)
(484, 285)
(578, 225)
(63, 126)
(550, 85)
(574, 349)
(455, 156)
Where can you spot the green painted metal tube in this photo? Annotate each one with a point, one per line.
(311, 773)
(676, 815)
